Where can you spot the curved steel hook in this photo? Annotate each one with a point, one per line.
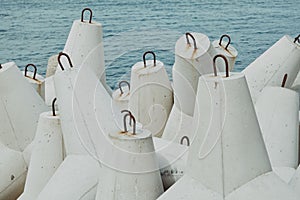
(144, 57)
(134, 123)
(284, 80)
(91, 14)
(67, 56)
(226, 64)
(53, 107)
(229, 40)
(188, 41)
(120, 84)
(127, 111)
(187, 140)
(34, 72)
(297, 39)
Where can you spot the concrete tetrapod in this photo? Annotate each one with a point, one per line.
(172, 160)
(85, 46)
(76, 178)
(36, 80)
(20, 107)
(13, 171)
(193, 53)
(151, 96)
(227, 50)
(65, 85)
(269, 68)
(47, 155)
(121, 96)
(84, 108)
(131, 168)
(277, 113)
(227, 159)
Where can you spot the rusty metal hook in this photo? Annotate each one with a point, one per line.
(134, 123)
(53, 107)
(67, 56)
(188, 41)
(91, 14)
(284, 80)
(34, 72)
(187, 140)
(120, 84)
(127, 111)
(229, 40)
(297, 39)
(144, 57)
(226, 64)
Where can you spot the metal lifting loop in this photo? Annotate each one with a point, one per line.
(144, 58)
(229, 40)
(188, 41)
(127, 111)
(297, 39)
(91, 14)
(120, 86)
(67, 56)
(187, 140)
(53, 107)
(226, 64)
(134, 123)
(34, 72)
(284, 80)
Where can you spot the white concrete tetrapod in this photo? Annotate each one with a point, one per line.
(52, 65)
(20, 107)
(36, 80)
(64, 82)
(47, 154)
(130, 170)
(172, 159)
(226, 49)
(64, 86)
(193, 53)
(151, 96)
(85, 111)
(85, 46)
(13, 171)
(269, 68)
(277, 113)
(76, 178)
(227, 158)
(121, 96)
(178, 126)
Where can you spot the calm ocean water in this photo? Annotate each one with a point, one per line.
(33, 30)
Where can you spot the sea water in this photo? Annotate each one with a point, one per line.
(33, 30)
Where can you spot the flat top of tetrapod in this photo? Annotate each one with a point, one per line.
(229, 52)
(140, 69)
(188, 51)
(140, 134)
(6, 66)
